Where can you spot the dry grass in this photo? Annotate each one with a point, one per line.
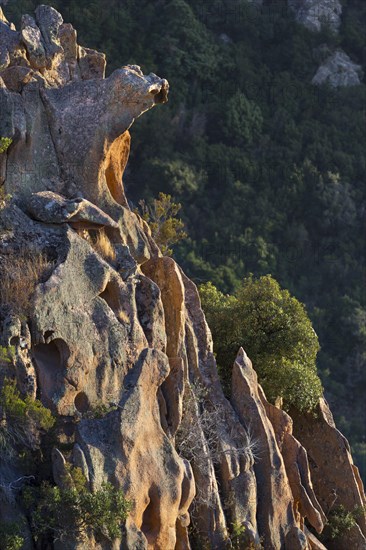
(123, 317)
(104, 247)
(20, 273)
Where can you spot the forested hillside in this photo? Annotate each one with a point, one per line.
(268, 167)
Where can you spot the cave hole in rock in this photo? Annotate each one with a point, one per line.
(112, 295)
(151, 520)
(50, 362)
(81, 402)
(69, 428)
(14, 341)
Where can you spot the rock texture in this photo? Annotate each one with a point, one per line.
(314, 14)
(285, 493)
(338, 70)
(335, 477)
(117, 328)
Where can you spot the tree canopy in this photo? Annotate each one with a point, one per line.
(275, 331)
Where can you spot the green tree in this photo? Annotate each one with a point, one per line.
(166, 229)
(10, 536)
(21, 420)
(74, 511)
(275, 331)
(341, 521)
(244, 120)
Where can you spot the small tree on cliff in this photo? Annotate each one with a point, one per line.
(274, 329)
(166, 229)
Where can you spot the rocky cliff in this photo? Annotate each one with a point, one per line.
(110, 335)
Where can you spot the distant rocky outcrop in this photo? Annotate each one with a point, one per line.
(314, 14)
(338, 70)
(119, 328)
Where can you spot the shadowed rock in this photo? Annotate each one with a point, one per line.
(338, 70)
(314, 14)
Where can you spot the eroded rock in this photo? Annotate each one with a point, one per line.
(49, 207)
(275, 501)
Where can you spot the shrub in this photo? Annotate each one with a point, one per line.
(166, 229)
(10, 536)
(6, 354)
(100, 410)
(240, 539)
(74, 511)
(275, 331)
(197, 420)
(5, 144)
(202, 417)
(20, 273)
(341, 520)
(21, 419)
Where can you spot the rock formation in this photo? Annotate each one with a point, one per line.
(336, 479)
(338, 70)
(115, 342)
(314, 14)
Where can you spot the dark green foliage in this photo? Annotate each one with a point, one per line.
(22, 420)
(244, 120)
(17, 408)
(340, 521)
(75, 511)
(6, 354)
(274, 329)
(10, 536)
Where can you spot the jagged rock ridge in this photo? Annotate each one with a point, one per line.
(126, 329)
